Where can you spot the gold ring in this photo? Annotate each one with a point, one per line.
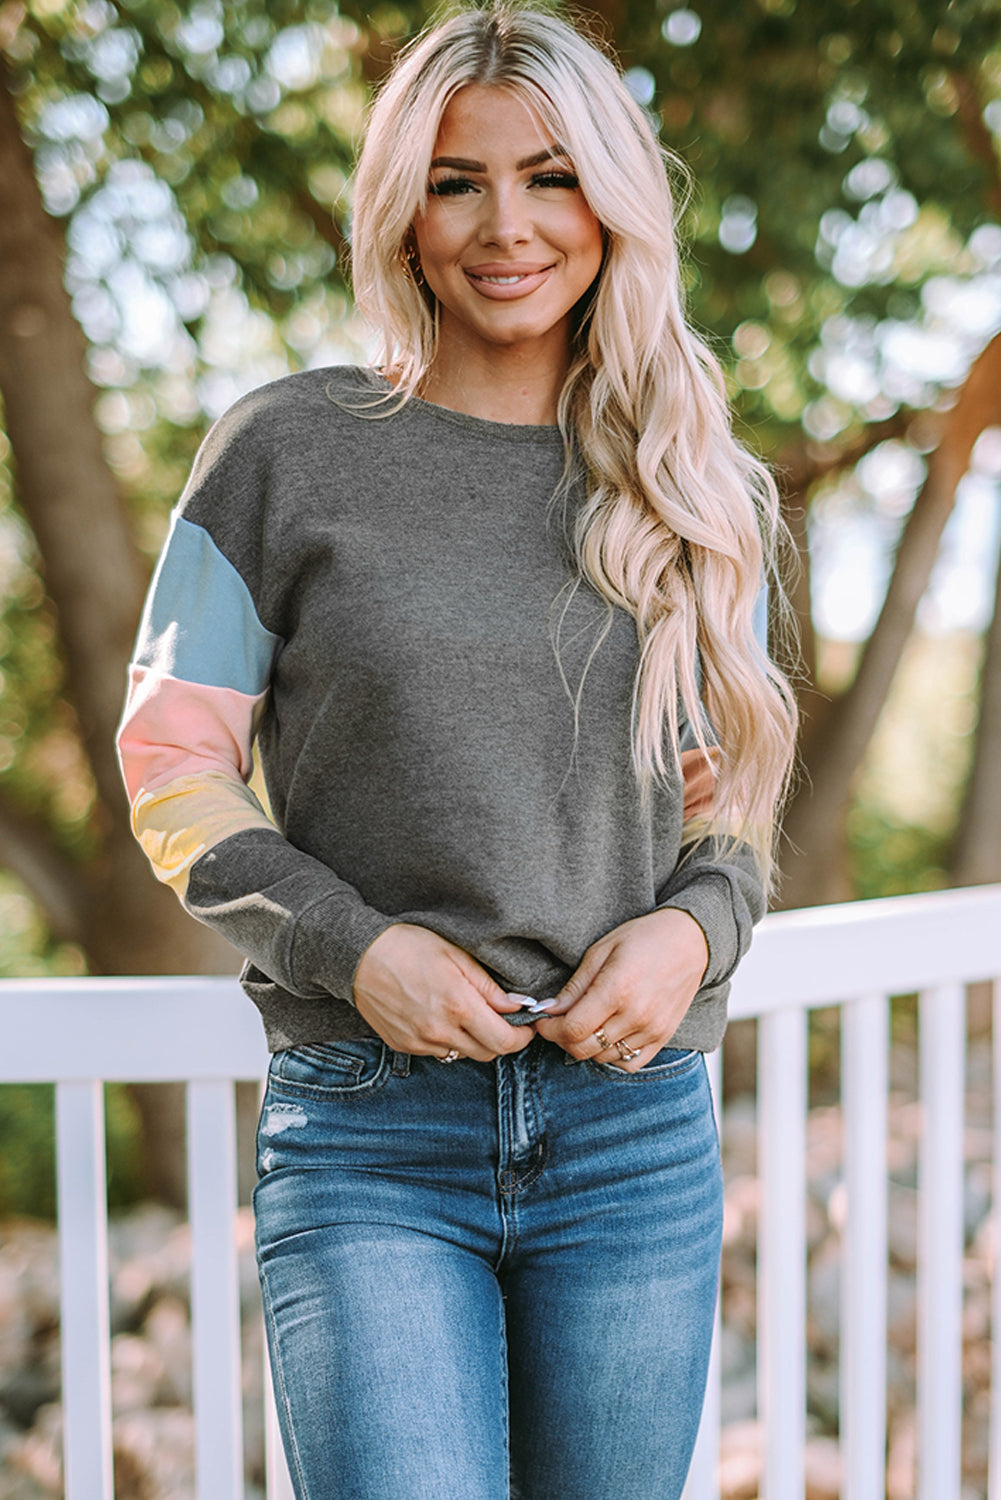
(450, 1055)
(627, 1053)
(602, 1038)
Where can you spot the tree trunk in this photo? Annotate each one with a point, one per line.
(799, 468)
(64, 485)
(794, 514)
(125, 922)
(976, 858)
(92, 569)
(832, 758)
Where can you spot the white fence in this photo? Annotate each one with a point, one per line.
(80, 1033)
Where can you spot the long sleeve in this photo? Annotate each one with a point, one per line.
(373, 605)
(198, 688)
(721, 888)
(717, 881)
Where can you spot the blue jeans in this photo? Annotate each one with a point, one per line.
(487, 1278)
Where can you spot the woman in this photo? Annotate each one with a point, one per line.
(489, 614)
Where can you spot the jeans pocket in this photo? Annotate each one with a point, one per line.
(331, 1069)
(669, 1062)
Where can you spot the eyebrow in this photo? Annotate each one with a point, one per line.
(460, 164)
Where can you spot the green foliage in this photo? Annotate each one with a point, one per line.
(27, 1162)
(244, 114)
(800, 123)
(27, 948)
(804, 123)
(40, 756)
(200, 159)
(27, 1165)
(892, 858)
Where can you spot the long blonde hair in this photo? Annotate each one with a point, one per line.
(680, 524)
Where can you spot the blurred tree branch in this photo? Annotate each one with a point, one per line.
(832, 757)
(979, 139)
(801, 467)
(976, 857)
(247, 179)
(92, 569)
(115, 910)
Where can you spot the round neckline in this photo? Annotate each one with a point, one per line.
(511, 432)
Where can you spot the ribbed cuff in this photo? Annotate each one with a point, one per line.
(709, 901)
(329, 941)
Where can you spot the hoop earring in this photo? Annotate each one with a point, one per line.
(412, 264)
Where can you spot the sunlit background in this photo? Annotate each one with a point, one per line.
(844, 261)
(842, 232)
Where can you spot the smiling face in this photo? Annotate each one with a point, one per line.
(507, 241)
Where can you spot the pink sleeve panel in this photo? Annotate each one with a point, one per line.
(172, 728)
(699, 772)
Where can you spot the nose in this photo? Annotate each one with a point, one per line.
(506, 221)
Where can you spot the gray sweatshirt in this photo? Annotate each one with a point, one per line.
(388, 606)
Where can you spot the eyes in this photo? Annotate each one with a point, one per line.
(456, 187)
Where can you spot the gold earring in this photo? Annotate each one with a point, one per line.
(412, 261)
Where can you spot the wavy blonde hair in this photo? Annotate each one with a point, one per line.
(679, 524)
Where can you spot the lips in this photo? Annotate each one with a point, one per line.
(500, 280)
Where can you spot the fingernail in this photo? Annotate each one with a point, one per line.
(530, 1003)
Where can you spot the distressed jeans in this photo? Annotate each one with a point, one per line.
(486, 1279)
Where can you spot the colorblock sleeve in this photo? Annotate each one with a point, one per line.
(197, 688)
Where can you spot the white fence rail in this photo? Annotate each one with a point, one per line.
(81, 1033)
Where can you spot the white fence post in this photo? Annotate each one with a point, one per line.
(942, 1038)
(865, 1035)
(782, 1097)
(83, 1275)
(215, 1295)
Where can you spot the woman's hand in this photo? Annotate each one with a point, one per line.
(424, 995)
(633, 987)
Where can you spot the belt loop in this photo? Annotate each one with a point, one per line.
(401, 1064)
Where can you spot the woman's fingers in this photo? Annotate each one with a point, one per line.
(624, 1002)
(505, 1004)
(593, 1023)
(423, 995)
(616, 1039)
(582, 978)
(488, 1031)
(619, 996)
(631, 990)
(631, 1054)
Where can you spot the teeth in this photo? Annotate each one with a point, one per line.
(502, 280)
